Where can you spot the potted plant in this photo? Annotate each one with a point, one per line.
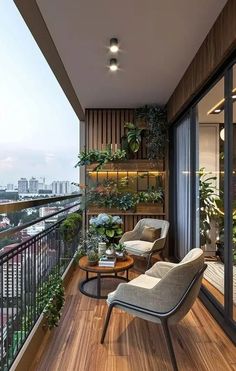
(120, 251)
(151, 200)
(106, 226)
(92, 257)
(99, 158)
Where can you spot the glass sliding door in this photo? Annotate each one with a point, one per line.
(210, 182)
(182, 187)
(204, 193)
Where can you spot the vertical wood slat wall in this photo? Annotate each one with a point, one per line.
(106, 127)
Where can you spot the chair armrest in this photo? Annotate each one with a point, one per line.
(131, 294)
(158, 244)
(160, 269)
(129, 236)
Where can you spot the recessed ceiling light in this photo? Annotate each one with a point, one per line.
(113, 65)
(234, 96)
(114, 47)
(217, 110)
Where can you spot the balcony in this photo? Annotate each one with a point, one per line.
(174, 161)
(75, 344)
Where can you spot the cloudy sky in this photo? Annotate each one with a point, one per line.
(38, 127)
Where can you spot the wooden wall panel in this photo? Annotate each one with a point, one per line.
(104, 127)
(218, 45)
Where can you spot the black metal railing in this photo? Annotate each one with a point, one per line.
(25, 267)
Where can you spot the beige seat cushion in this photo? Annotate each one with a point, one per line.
(138, 247)
(144, 281)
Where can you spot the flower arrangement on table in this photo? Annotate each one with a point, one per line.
(106, 226)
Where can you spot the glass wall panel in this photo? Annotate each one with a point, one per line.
(182, 188)
(210, 183)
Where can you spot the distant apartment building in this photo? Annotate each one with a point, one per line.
(61, 187)
(22, 185)
(10, 187)
(33, 185)
(11, 274)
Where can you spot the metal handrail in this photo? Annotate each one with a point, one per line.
(20, 205)
(11, 231)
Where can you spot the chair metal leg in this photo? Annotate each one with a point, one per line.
(169, 343)
(149, 262)
(106, 323)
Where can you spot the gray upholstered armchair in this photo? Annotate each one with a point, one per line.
(147, 249)
(164, 294)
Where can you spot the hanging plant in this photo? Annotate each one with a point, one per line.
(157, 133)
(134, 136)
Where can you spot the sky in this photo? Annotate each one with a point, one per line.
(38, 127)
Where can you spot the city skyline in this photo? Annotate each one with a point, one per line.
(39, 129)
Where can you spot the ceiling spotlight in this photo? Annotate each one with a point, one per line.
(113, 65)
(234, 96)
(217, 110)
(114, 47)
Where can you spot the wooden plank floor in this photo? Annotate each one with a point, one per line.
(131, 344)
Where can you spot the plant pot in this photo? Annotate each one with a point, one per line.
(149, 207)
(92, 263)
(121, 257)
(94, 209)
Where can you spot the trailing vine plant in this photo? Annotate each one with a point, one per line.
(51, 298)
(157, 133)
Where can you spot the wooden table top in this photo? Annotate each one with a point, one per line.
(119, 267)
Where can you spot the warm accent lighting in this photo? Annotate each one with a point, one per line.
(222, 134)
(219, 107)
(113, 65)
(114, 47)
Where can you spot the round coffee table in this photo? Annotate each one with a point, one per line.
(106, 278)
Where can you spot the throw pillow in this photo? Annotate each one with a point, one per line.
(150, 234)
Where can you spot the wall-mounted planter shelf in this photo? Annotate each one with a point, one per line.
(129, 165)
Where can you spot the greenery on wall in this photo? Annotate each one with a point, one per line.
(134, 136)
(157, 133)
(70, 227)
(51, 298)
(103, 157)
(112, 194)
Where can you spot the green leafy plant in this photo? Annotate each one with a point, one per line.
(70, 227)
(119, 247)
(92, 256)
(51, 299)
(101, 157)
(106, 226)
(134, 136)
(79, 254)
(207, 205)
(157, 133)
(153, 196)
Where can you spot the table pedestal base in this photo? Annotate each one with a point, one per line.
(99, 286)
